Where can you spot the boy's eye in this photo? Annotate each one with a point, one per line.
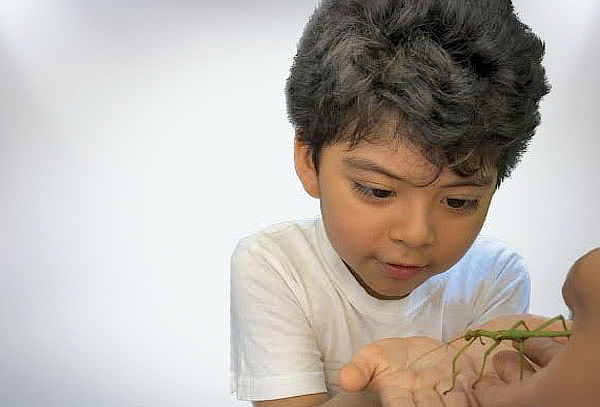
(373, 193)
(462, 204)
(380, 193)
(456, 203)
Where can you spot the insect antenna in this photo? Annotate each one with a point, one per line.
(429, 352)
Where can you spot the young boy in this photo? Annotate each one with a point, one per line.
(408, 116)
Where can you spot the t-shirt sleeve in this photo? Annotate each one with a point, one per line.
(508, 292)
(274, 353)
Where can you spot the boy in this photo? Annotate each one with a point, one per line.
(408, 116)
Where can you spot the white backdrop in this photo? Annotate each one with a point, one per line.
(139, 140)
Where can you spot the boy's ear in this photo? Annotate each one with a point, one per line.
(305, 168)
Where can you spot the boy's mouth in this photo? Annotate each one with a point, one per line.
(401, 271)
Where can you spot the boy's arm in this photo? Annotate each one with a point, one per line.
(274, 350)
(310, 400)
(361, 399)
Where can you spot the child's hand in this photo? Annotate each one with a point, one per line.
(402, 372)
(394, 370)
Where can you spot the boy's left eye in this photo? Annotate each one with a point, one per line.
(380, 193)
(462, 204)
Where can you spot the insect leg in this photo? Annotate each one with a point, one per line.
(485, 356)
(519, 323)
(454, 372)
(551, 321)
(521, 357)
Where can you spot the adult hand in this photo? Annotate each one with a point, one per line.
(568, 376)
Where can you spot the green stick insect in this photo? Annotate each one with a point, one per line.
(513, 333)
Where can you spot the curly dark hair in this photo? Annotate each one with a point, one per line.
(462, 79)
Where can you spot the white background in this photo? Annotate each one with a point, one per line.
(140, 140)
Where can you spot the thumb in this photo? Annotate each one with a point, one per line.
(358, 374)
(355, 376)
(508, 366)
(368, 362)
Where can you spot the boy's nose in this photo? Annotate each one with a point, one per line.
(413, 228)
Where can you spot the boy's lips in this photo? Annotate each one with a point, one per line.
(401, 271)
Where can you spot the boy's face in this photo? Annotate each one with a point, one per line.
(392, 232)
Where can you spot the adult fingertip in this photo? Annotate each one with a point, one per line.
(581, 287)
(352, 378)
(542, 350)
(511, 368)
(486, 382)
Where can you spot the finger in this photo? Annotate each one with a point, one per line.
(397, 397)
(581, 287)
(354, 376)
(508, 367)
(490, 391)
(541, 350)
(366, 363)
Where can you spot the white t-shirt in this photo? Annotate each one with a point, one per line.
(298, 314)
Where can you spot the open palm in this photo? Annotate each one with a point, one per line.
(396, 370)
(405, 372)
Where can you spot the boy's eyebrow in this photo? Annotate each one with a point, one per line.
(480, 182)
(367, 165)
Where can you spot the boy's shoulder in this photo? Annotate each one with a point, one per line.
(296, 239)
(282, 232)
(289, 255)
(488, 254)
(485, 245)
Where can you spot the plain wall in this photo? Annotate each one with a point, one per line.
(139, 140)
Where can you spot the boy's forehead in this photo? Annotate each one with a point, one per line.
(390, 151)
(400, 157)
